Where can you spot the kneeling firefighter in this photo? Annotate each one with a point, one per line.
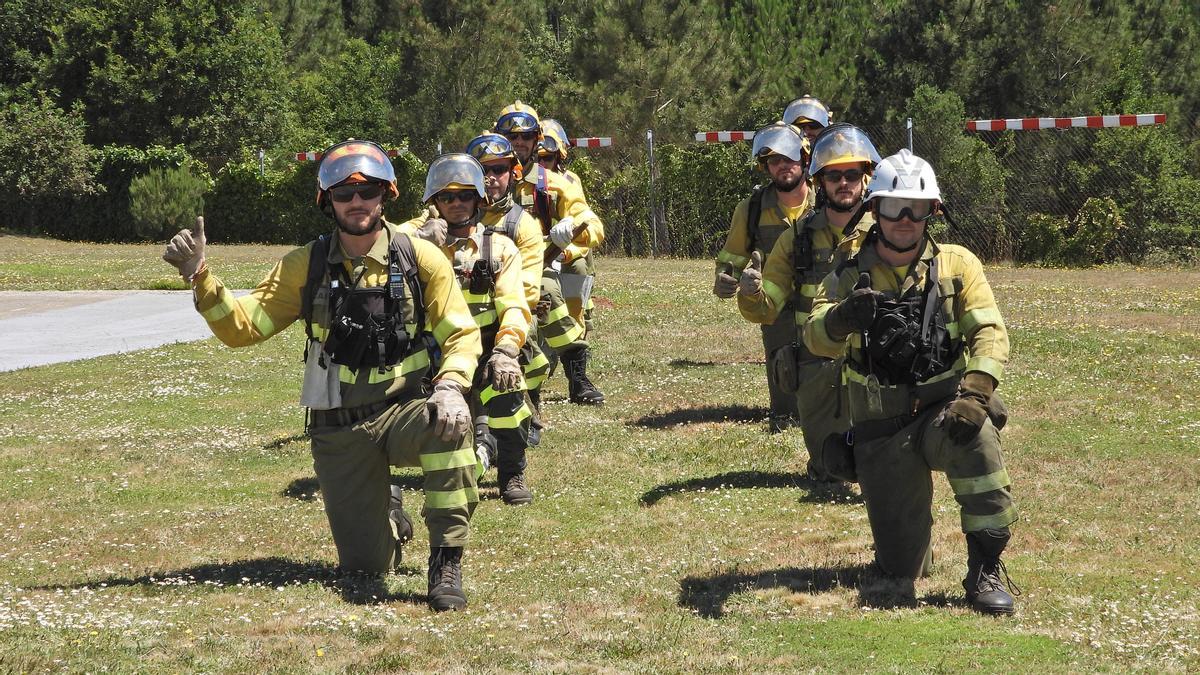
(376, 393)
(488, 267)
(925, 349)
(813, 246)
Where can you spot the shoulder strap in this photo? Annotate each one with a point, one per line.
(802, 245)
(753, 215)
(316, 272)
(541, 199)
(402, 264)
(932, 293)
(512, 221)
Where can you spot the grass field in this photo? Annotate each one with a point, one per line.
(159, 511)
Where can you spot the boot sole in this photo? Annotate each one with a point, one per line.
(447, 604)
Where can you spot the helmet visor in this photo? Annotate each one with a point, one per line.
(841, 145)
(778, 139)
(455, 168)
(343, 160)
(895, 208)
(490, 147)
(806, 108)
(516, 122)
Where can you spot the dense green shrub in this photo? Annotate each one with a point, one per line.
(165, 200)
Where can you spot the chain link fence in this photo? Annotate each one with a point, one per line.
(1055, 196)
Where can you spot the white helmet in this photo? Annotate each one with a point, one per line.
(905, 176)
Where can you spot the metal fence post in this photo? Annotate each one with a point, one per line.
(653, 211)
(262, 165)
(910, 139)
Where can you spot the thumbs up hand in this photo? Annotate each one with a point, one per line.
(856, 312)
(434, 228)
(185, 251)
(751, 281)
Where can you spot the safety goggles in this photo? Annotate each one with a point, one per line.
(916, 210)
(834, 176)
(365, 191)
(448, 198)
(496, 169)
(516, 122)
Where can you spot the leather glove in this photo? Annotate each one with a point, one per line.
(856, 312)
(185, 251)
(725, 286)
(563, 232)
(542, 309)
(502, 369)
(965, 415)
(751, 281)
(434, 228)
(448, 411)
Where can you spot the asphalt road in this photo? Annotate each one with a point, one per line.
(42, 327)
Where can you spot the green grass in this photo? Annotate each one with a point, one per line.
(160, 512)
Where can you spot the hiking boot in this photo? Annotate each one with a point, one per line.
(987, 581)
(535, 422)
(778, 423)
(403, 524)
(445, 579)
(580, 389)
(513, 490)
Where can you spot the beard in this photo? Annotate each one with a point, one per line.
(844, 202)
(784, 185)
(373, 224)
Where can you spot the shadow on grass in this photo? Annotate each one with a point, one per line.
(707, 595)
(722, 413)
(306, 489)
(280, 442)
(354, 587)
(815, 491)
(689, 363)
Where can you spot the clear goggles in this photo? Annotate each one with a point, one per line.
(916, 210)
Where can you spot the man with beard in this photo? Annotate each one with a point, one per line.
(842, 160)
(758, 221)
(572, 229)
(376, 394)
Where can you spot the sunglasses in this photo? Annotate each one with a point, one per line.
(365, 192)
(523, 135)
(851, 176)
(895, 208)
(496, 170)
(448, 198)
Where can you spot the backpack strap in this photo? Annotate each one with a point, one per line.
(512, 221)
(541, 199)
(402, 264)
(317, 256)
(753, 215)
(802, 246)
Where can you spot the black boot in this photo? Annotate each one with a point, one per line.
(404, 526)
(513, 489)
(445, 579)
(535, 424)
(986, 575)
(580, 388)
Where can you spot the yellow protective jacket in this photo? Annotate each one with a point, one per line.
(278, 299)
(967, 305)
(501, 310)
(574, 178)
(830, 246)
(735, 254)
(529, 242)
(549, 197)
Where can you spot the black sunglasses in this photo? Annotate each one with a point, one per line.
(851, 176)
(495, 170)
(365, 191)
(449, 198)
(526, 135)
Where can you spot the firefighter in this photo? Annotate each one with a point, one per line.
(808, 115)
(925, 349)
(376, 394)
(572, 229)
(488, 267)
(552, 150)
(843, 158)
(758, 221)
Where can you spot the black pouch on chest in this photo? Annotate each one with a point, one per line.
(368, 328)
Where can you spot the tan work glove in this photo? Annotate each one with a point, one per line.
(448, 411)
(502, 369)
(542, 309)
(965, 415)
(434, 228)
(185, 251)
(725, 286)
(856, 312)
(751, 281)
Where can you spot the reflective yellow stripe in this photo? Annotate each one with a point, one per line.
(567, 338)
(534, 382)
(220, 310)
(1000, 520)
(556, 314)
(772, 290)
(258, 316)
(318, 332)
(979, 484)
(477, 298)
(952, 328)
(810, 290)
(801, 317)
(986, 364)
(853, 375)
(489, 393)
(539, 361)
(451, 499)
(440, 461)
(412, 363)
(450, 325)
(512, 421)
(738, 261)
(984, 316)
(485, 318)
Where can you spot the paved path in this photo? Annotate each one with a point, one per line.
(41, 327)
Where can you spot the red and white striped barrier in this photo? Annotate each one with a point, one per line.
(1089, 122)
(724, 136)
(591, 142)
(316, 156)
